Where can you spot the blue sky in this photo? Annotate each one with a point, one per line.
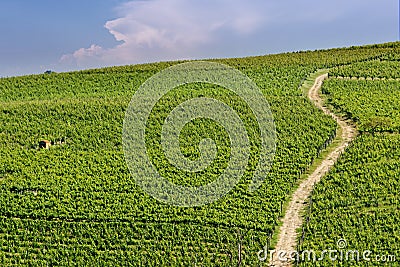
(70, 35)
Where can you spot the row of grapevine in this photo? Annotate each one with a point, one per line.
(353, 212)
(369, 69)
(266, 71)
(87, 180)
(358, 202)
(77, 203)
(373, 105)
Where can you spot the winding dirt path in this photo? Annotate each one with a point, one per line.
(287, 239)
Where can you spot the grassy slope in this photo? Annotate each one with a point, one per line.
(359, 200)
(77, 203)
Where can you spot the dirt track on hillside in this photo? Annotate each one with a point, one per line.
(292, 221)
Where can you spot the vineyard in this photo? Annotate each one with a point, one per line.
(373, 105)
(354, 210)
(358, 202)
(371, 69)
(77, 204)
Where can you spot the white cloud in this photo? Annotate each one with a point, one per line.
(155, 30)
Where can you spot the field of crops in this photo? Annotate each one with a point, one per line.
(373, 105)
(77, 203)
(370, 69)
(359, 203)
(354, 210)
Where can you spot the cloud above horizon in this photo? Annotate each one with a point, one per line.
(168, 29)
(157, 30)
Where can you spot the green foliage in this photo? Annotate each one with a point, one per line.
(369, 69)
(358, 201)
(373, 105)
(76, 204)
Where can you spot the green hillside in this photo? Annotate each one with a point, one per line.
(77, 204)
(358, 201)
